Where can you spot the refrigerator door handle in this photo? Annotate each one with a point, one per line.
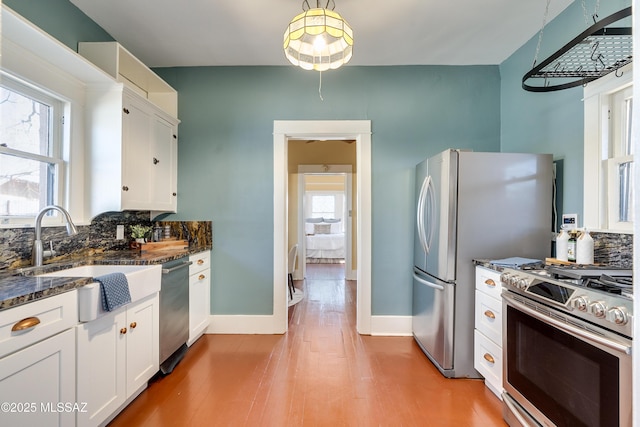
(431, 192)
(424, 190)
(427, 283)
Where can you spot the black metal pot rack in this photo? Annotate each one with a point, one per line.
(594, 53)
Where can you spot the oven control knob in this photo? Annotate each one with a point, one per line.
(504, 278)
(598, 309)
(513, 280)
(521, 284)
(580, 303)
(618, 315)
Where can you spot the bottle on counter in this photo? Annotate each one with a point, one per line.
(562, 246)
(571, 248)
(584, 248)
(157, 232)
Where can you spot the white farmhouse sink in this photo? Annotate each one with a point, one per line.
(144, 280)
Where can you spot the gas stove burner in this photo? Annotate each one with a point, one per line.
(582, 272)
(604, 285)
(621, 282)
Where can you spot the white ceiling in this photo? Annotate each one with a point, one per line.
(164, 33)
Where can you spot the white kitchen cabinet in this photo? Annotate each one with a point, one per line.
(131, 155)
(488, 328)
(199, 294)
(132, 134)
(117, 354)
(37, 364)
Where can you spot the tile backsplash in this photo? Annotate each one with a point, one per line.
(99, 236)
(613, 249)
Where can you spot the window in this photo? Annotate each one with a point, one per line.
(608, 153)
(31, 165)
(619, 163)
(323, 206)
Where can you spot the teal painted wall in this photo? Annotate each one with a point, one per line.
(225, 154)
(61, 19)
(550, 122)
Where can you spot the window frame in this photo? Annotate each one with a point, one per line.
(55, 157)
(598, 159)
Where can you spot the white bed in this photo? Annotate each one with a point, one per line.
(324, 241)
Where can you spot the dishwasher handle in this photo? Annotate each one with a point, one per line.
(178, 267)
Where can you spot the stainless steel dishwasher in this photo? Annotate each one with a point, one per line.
(174, 313)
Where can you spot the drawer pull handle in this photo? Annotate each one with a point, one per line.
(490, 314)
(24, 324)
(133, 325)
(200, 261)
(489, 358)
(490, 283)
(200, 277)
(123, 331)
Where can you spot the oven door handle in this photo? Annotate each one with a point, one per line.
(568, 328)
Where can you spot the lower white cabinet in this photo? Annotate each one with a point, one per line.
(117, 354)
(199, 294)
(488, 328)
(35, 381)
(37, 363)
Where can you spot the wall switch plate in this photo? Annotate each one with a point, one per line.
(120, 232)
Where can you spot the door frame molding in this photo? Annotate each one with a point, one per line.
(360, 130)
(346, 172)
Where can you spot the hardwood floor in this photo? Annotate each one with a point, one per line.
(321, 373)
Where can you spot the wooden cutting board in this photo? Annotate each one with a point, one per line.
(555, 261)
(164, 245)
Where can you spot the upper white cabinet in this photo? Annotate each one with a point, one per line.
(131, 154)
(119, 63)
(133, 135)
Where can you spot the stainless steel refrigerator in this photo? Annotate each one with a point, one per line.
(470, 206)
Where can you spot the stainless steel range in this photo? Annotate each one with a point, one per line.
(568, 333)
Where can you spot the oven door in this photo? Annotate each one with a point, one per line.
(562, 371)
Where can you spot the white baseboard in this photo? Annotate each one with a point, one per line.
(246, 324)
(391, 326)
(243, 324)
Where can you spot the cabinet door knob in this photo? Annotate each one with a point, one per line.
(202, 276)
(490, 314)
(24, 324)
(125, 188)
(489, 358)
(200, 261)
(155, 161)
(123, 331)
(175, 136)
(126, 110)
(490, 283)
(133, 325)
(174, 194)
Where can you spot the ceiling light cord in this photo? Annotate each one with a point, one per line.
(320, 87)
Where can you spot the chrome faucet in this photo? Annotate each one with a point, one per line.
(37, 252)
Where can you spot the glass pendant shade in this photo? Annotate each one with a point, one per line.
(318, 39)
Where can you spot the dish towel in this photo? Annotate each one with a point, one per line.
(514, 262)
(114, 288)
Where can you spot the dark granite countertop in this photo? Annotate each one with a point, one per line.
(22, 285)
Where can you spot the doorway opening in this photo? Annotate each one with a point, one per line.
(326, 231)
(360, 132)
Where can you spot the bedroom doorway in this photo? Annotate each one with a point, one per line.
(325, 206)
(283, 132)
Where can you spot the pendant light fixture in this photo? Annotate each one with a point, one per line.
(318, 39)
